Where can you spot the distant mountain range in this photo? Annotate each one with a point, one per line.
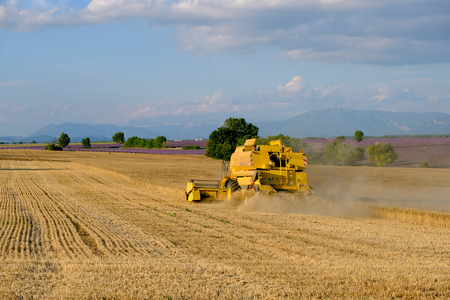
(319, 123)
(345, 121)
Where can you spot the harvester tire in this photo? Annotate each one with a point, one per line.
(232, 186)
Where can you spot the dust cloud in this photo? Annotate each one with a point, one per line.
(399, 187)
(351, 192)
(335, 196)
(288, 203)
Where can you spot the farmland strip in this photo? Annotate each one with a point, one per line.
(59, 230)
(113, 242)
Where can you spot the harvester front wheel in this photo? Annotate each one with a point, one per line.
(232, 186)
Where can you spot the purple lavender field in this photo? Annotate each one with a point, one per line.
(184, 143)
(396, 142)
(70, 147)
(113, 148)
(94, 146)
(145, 151)
(412, 152)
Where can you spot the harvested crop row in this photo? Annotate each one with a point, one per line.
(98, 201)
(19, 235)
(68, 217)
(155, 245)
(58, 236)
(413, 216)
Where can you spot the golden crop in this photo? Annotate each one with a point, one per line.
(99, 225)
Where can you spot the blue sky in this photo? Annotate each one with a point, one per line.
(143, 62)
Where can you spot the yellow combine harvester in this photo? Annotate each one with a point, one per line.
(253, 169)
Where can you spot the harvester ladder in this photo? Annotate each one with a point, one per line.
(225, 172)
(283, 170)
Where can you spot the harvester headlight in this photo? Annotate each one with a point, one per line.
(291, 183)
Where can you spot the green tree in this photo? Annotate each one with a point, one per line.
(52, 146)
(63, 140)
(86, 142)
(349, 154)
(131, 142)
(381, 154)
(223, 141)
(150, 143)
(330, 153)
(136, 142)
(160, 142)
(345, 154)
(118, 137)
(424, 165)
(359, 135)
(191, 147)
(141, 143)
(340, 139)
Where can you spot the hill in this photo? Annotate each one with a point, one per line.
(345, 121)
(77, 132)
(319, 123)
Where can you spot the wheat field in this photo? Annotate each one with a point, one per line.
(85, 225)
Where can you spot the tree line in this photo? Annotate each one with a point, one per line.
(234, 132)
(119, 137)
(223, 141)
(137, 142)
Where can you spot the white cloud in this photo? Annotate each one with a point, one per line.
(324, 91)
(420, 94)
(14, 82)
(294, 86)
(325, 31)
(328, 56)
(383, 93)
(145, 111)
(433, 98)
(298, 88)
(212, 103)
(209, 104)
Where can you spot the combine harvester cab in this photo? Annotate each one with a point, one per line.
(253, 169)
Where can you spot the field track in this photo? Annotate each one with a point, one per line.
(113, 225)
